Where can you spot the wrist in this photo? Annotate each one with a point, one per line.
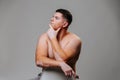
(60, 63)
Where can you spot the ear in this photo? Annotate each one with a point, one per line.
(65, 24)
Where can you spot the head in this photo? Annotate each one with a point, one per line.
(61, 19)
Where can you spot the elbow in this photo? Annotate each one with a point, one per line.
(39, 63)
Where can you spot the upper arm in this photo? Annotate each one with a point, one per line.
(73, 49)
(41, 48)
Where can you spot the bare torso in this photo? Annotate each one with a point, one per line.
(63, 43)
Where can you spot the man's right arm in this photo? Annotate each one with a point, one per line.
(41, 58)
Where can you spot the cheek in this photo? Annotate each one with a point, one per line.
(57, 24)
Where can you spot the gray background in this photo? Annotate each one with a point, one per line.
(96, 22)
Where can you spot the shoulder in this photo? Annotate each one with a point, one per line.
(42, 39)
(43, 36)
(75, 38)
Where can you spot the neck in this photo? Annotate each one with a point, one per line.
(61, 34)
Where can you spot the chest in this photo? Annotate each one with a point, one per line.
(51, 51)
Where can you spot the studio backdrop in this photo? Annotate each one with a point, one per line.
(96, 22)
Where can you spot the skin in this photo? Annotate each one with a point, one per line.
(57, 47)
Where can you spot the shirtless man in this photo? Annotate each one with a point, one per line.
(57, 47)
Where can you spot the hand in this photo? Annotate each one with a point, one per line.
(52, 33)
(67, 69)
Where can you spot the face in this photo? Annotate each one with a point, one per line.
(57, 21)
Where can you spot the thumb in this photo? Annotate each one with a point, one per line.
(51, 26)
(58, 30)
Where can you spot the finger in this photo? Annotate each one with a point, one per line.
(70, 74)
(48, 31)
(65, 73)
(53, 29)
(58, 30)
(73, 73)
(51, 26)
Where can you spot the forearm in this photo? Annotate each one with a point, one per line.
(47, 62)
(57, 57)
(56, 46)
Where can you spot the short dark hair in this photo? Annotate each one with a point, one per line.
(66, 14)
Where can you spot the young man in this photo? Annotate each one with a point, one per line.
(58, 50)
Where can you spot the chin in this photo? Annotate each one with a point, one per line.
(54, 28)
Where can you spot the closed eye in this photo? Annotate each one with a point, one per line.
(56, 17)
